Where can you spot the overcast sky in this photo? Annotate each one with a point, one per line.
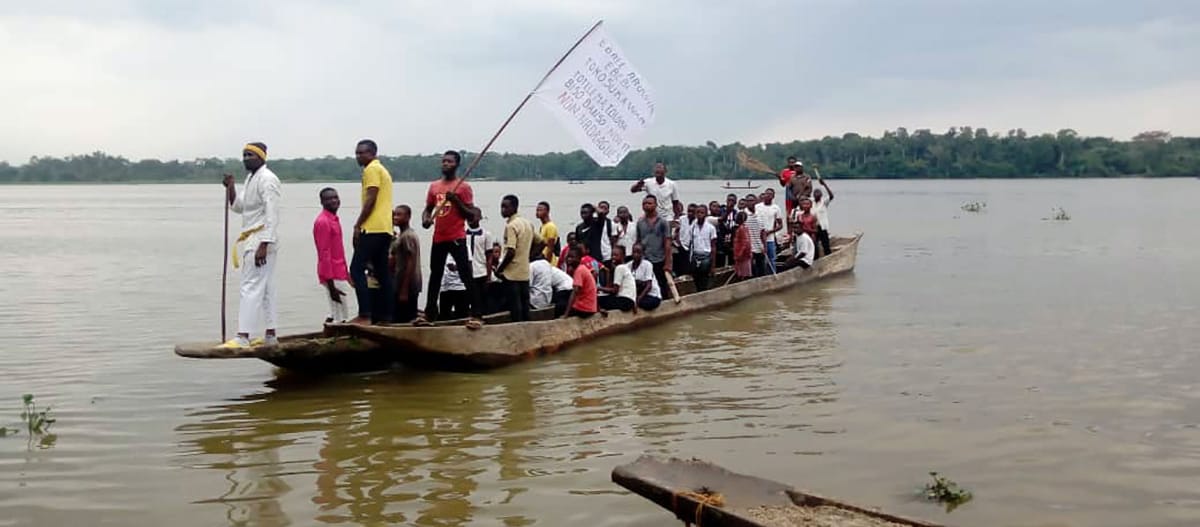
(185, 79)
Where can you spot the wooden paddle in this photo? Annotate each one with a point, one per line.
(753, 165)
(225, 259)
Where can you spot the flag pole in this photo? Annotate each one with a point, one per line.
(488, 146)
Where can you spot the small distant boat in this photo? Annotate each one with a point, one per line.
(575, 182)
(701, 493)
(747, 186)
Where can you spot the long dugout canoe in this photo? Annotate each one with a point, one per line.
(495, 345)
(702, 493)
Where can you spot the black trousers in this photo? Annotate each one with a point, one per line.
(406, 311)
(823, 240)
(614, 302)
(453, 305)
(701, 270)
(456, 249)
(560, 299)
(518, 300)
(758, 266)
(373, 249)
(582, 314)
(649, 303)
(661, 275)
(680, 262)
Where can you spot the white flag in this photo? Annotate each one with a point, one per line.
(600, 98)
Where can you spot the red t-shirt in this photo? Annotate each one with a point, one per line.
(785, 176)
(448, 224)
(585, 299)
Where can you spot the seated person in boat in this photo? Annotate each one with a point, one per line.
(562, 255)
(548, 285)
(804, 251)
(622, 290)
(583, 293)
(649, 295)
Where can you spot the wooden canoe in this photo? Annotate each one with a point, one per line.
(497, 345)
(448, 345)
(702, 493)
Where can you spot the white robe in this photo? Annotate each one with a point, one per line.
(258, 203)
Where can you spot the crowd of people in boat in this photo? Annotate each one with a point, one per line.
(605, 263)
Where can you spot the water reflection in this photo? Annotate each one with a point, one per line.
(431, 448)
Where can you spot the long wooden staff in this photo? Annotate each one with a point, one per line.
(225, 258)
(488, 146)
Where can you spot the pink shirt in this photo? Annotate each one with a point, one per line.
(331, 254)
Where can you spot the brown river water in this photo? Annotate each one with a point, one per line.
(1048, 366)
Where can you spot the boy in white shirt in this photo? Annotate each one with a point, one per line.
(771, 219)
(622, 289)
(702, 249)
(649, 296)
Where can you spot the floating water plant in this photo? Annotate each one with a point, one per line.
(946, 492)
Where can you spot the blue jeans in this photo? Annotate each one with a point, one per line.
(771, 256)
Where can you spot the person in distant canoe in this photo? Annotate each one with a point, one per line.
(405, 265)
(549, 233)
(332, 272)
(373, 236)
(665, 192)
(256, 249)
(448, 203)
(514, 264)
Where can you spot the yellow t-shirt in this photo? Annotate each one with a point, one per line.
(374, 175)
(550, 235)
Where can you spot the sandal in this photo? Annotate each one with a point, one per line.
(474, 324)
(421, 321)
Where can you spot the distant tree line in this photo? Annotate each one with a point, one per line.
(958, 153)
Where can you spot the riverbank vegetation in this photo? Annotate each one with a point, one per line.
(898, 154)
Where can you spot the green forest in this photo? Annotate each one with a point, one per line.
(957, 153)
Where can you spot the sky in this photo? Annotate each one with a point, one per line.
(180, 79)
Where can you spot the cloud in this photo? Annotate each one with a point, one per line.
(176, 79)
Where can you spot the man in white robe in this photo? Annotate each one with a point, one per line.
(256, 249)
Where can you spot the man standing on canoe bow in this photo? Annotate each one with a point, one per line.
(255, 250)
(448, 203)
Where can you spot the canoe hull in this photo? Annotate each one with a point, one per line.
(348, 348)
(502, 344)
(672, 484)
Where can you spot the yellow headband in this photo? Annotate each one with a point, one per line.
(254, 149)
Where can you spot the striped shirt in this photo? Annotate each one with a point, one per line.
(754, 229)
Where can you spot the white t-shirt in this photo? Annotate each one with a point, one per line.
(822, 211)
(645, 273)
(626, 235)
(451, 280)
(544, 280)
(703, 234)
(478, 250)
(767, 214)
(623, 278)
(685, 233)
(805, 245)
(606, 240)
(667, 193)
